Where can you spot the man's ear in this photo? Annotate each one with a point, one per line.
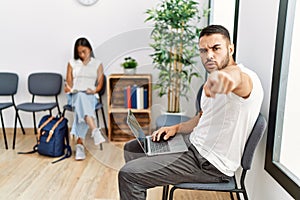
(231, 49)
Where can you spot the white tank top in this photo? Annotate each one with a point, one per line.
(225, 125)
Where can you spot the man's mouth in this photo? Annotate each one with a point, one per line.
(210, 64)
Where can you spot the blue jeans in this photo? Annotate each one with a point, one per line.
(84, 105)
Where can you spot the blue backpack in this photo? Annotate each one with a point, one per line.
(52, 138)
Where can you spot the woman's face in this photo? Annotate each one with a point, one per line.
(84, 53)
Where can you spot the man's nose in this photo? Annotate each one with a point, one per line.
(210, 54)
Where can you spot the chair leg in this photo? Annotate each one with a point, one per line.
(165, 192)
(15, 130)
(63, 113)
(34, 124)
(22, 128)
(231, 196)
(3, 129)
(104, 121)
(172, 193)
(245, 195)
(238, 196)
(98, 123)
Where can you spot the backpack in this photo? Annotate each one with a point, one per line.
(52, 138)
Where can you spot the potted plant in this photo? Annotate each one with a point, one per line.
(174, 36)
(129, 65)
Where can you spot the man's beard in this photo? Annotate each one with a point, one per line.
(225, 62)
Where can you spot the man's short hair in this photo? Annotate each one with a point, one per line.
(215, 29)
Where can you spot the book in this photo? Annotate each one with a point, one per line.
(133, 96)
(127, 97)
(140, 97)
(145, 98)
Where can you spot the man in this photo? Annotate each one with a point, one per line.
(230, 102)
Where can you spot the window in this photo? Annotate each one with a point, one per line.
(282, 160)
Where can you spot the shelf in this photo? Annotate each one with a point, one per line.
(125, 110)
(118, 130)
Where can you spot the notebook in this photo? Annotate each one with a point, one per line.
(173, 145)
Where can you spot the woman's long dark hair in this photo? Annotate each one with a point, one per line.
(82, 42)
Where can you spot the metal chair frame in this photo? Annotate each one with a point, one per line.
(231, 186)
(8, 87)
(44, 84)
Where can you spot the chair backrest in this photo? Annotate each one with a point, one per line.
(198, 99)
(8, 83)
(253, 139)
(103, 89)
(45, 83)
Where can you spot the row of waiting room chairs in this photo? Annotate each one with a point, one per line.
(44, 84)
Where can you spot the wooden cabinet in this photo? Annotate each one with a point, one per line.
(118, 129)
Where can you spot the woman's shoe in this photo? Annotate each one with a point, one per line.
(98, 136)
(80, 154)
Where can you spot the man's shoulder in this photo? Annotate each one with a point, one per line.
(248, 71)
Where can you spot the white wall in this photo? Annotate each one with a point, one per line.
(39, 36)
(256, 44)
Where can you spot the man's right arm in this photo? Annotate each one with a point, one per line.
(184, 127)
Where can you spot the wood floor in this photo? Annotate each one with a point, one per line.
(34, 177)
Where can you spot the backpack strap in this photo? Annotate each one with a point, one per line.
(67, 155)
(42, 126)
(53, 129)
(35, 148)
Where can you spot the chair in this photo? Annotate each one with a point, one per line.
(98, 107)
(231, 186)
(8, 87)
(43, 84)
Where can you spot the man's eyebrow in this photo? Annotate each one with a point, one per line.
(215, 45)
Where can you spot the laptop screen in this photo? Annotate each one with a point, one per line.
(136, 128)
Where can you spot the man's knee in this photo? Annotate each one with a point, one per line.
(124, 175)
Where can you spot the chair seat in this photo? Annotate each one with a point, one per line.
(169, 120)
(5, 105)
(36, 107)
(98, 106)
(68, 107)
(224, 186)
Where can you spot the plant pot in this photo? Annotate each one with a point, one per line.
(129, 70)
(175, 113)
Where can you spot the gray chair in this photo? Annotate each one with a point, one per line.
(43, 84)
(231, 186)
(8, 87)
(98, 107)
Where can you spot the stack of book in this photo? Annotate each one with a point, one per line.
(135, 97)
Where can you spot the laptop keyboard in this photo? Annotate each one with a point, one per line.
(157, 147)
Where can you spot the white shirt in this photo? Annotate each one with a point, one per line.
(225, 125)
(84, 76)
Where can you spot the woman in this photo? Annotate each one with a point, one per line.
(83, 72)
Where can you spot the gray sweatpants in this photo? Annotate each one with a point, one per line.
(142, 172)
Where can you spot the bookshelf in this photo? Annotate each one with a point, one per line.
(118, 129)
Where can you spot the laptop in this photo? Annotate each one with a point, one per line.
(174, 144)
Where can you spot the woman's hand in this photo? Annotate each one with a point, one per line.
(67, 88)
(90, 91)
